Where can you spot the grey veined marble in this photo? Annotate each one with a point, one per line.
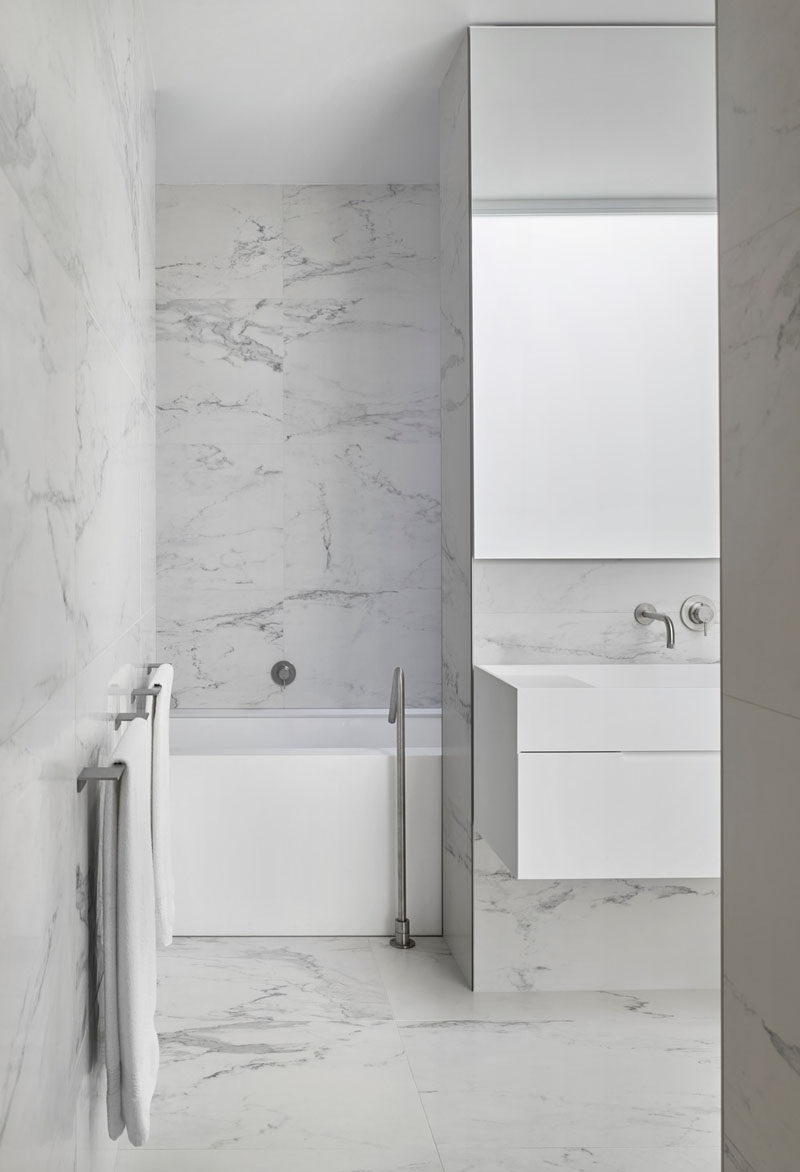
(298, 419)
(345, 1055)
(77, 572)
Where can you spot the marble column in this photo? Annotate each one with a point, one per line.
(456, 390)
(759, 191)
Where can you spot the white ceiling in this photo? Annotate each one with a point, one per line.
(328, 91)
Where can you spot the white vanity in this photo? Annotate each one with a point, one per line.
(599, 772)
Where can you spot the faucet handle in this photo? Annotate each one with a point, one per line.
(697, 613)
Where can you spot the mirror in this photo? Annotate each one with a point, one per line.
(595, 415)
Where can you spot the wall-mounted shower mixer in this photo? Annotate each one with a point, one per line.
(283, 673)
(697, 613)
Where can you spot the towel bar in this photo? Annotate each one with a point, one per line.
(124, 716)
(113, 772)
(138, 695)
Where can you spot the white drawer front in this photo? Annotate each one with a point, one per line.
(618, 815)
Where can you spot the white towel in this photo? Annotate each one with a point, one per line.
(162, 836)
(129, 940)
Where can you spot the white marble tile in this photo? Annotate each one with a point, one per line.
(760, 299)
(598, 1159)
(146, 461)
(220, 242)
(220, 370)
(345, 281)
(362, 293)
(37, 102)
(348, 378)
(113, 111)
(375, 245)
(37, 439)
(548, 587)
(556, 1083)
(298, 1052)
(371, 1159)
(220, 516)
(41, 982)
(593, 934)
(283, 1053)
(362, 516)
(76, 151)
(211, 980)
(222, 644)
(456, 414)
(114, 438)
(587, 637)
(345, 645)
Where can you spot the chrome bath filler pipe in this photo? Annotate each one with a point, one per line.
(397, 714)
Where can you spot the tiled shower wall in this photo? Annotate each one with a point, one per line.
(589, 934)
(77, 580)
(298, 443)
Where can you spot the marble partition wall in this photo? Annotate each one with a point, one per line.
(759, 192)
(298, 441)
(77, 583)
(456, 411)
(582, 934)
(582, 611)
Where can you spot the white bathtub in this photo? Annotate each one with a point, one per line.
(284, 823)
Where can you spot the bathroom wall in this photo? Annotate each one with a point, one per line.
(298, 443)
(759, 188)
(585, 934)
(78, 533)
(456, 408)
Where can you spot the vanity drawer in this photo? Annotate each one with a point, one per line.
(618, 815)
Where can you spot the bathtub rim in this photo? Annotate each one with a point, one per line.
(299, 713)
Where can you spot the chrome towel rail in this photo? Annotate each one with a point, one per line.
(114, 772)
(397, 715)
(139, 696)
(126, 716)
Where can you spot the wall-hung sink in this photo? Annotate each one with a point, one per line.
(599, 771)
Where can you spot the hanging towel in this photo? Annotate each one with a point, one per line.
(162, 835)
(129, 940)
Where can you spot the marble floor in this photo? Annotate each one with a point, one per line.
(344, 1055)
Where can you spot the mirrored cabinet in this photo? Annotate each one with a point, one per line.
(594, 293)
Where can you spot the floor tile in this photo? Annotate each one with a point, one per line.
(254, 979)
(582, 1160)
(345, 1055)
(363, 1159)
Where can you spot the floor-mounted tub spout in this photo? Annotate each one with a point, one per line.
(397, 715)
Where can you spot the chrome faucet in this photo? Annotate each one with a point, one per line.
(646, 613)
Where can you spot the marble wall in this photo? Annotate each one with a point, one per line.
(590, 934)
(298, 443)
(456, 413)
(759, 185)
(77, 587)
(582, 612)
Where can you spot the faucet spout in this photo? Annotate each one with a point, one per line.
(646, 613)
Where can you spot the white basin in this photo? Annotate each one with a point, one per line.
(605, 771)
(608, 708)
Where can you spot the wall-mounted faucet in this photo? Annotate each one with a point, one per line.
(646, 613)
